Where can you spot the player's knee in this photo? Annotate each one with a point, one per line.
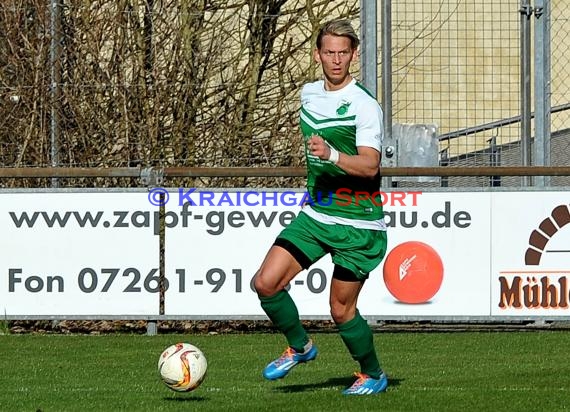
(341, 313)
(258, 284)
(261, 286)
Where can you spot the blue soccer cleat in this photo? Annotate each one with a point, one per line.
(281, 366)
(365, 385)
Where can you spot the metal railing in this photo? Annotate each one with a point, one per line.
(191, 172)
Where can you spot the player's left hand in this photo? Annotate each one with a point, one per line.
(317, 146)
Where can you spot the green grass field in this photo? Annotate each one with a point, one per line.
(479, 371)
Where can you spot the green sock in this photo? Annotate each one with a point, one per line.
(357, 337)
(282, 311)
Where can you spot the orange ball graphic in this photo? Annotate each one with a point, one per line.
(413, 272)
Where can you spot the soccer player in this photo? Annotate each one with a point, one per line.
(342, 127)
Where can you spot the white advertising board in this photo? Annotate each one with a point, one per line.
(531, 254)
(450, 254)
(214, 247)
(78, 254)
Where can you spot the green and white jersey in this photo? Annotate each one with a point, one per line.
(345, 119)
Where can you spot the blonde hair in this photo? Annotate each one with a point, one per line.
(338, 28)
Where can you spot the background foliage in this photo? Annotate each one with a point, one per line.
(170, 83)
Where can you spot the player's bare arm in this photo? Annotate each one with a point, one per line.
(365, 164)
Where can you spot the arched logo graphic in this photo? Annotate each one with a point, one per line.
(540, 287)
(413, 272)
(539, 238)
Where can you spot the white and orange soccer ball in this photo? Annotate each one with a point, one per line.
(182, 367)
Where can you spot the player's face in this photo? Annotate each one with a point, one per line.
(335, 56)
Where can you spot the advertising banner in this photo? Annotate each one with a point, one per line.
(530, 273)
(78, 254)
(96, 254)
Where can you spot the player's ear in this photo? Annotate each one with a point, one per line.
(316, 55)
(355, 55)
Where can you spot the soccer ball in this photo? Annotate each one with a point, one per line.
(182, 367)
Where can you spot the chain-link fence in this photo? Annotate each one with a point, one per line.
(199, 83)
(458, 64)
(560, 87)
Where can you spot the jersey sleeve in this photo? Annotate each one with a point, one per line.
(370, 126)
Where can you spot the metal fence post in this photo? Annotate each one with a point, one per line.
(55, 81)
(542, 88)
(526, 111)
(494, 160)
(444, 161)
(152, 178)
(387, 80)
(369, 63)
(369, 60)
(151, 328)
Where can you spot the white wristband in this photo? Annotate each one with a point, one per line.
(334, 156)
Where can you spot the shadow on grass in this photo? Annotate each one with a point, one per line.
(339, 383)
(185, 399)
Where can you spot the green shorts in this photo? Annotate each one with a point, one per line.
(358, 251)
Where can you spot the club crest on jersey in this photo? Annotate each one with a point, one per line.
(342, 108)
